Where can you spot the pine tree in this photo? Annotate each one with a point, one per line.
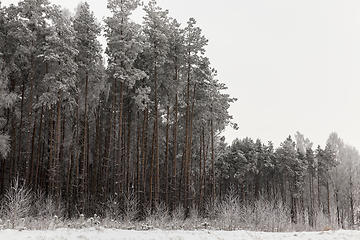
(292, 170)
(88, 59)
(7, 100)
(60, 79)
(124, 44)
(194, 46)
(156, 30)
(176, 57)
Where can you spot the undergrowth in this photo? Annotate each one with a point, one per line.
(22, 209)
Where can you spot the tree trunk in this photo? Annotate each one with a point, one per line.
(77, 149)
(318, 188)
(352, 212)
(156, 129)
(144, 154)
(200, 171)
(337, 208)
(328, 199)
(107, 160)
(185, 163)
(212, 154)
(28, 167)
(190, 147)
(32, 156)
(13, 146)
(85, 157)
(39, 149)
(119, 155)
(128, 154)
(58, 145)
(51, 154)
(167, 154)
(97, 170)
(174, 181)
(152, 166)
(138, 146)
(17, 161)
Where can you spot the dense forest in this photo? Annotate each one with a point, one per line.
(84, 131)
(144, 121)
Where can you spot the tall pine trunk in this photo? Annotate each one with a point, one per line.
(144, 154)
(107, 177)
(167, 153)
(17, 165)
(85, 157)
(212, 155)
(119, 155)
(185, 167)
(156, 129)
(174, 178)
(39, 149)
(28, 173)
(32, 156)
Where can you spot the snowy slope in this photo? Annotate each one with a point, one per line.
(114, 234)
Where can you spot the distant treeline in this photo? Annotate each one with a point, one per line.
(312, 183)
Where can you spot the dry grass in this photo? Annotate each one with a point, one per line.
(22, 209)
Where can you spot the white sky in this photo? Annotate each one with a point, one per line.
(293, 65)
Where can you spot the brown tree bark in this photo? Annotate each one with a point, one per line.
(56, 176)
(156, 129)
(152, 166)
(138, 147)
(167, 153)
(175, 189)
(85, 156)
(28, 164)
(144, 155)
(32, 156)
(39, 149)
(17, 167)
(119, 179)
(107, 160)
(212, 155)
(128, 166)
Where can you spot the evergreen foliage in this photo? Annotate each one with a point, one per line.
(144, 129)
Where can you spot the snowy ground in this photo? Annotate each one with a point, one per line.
(114, 234)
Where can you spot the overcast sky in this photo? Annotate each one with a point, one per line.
(293, 65)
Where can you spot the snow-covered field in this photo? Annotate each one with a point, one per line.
(114, 234)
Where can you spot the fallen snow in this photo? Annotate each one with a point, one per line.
(115, 234)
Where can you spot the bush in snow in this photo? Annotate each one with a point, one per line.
(17, 203)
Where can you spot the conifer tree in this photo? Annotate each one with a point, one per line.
(88, 59)
(156, 30)
(176, 57)
(124, 44)
(59, 54)
(194, 47)
(7, 99)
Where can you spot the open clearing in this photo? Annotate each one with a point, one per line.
(115, 234)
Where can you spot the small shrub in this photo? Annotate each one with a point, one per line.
(130, 208)
(159, 217)
(17, 203)
(230, 211)
(113, 208)
(212, 208)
